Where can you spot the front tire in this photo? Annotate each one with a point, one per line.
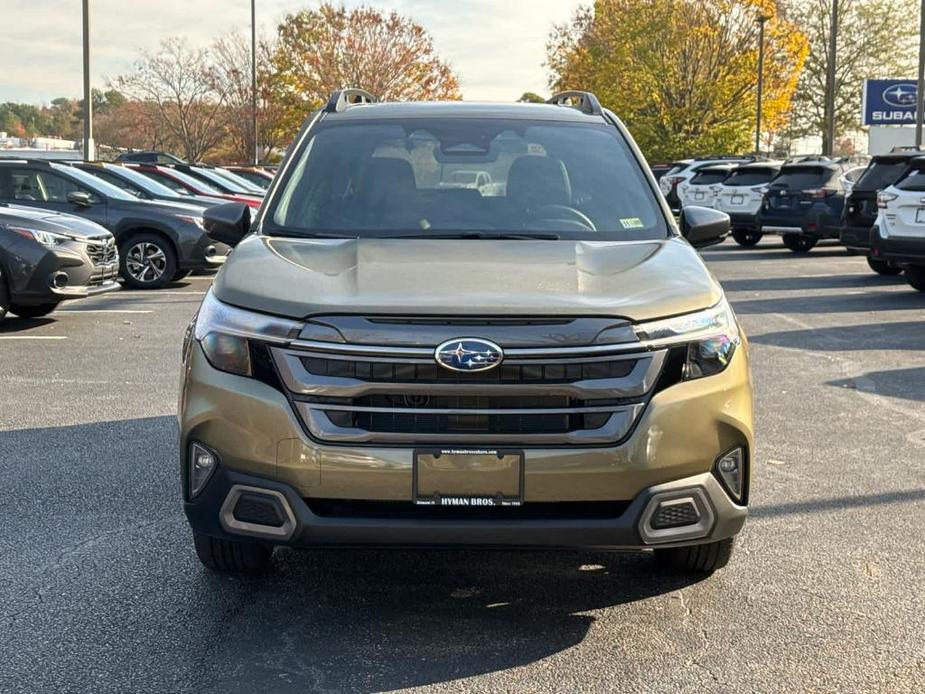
(34, 311)
(915, 275)
(705, 558)
(799, 243)
(747, 238)
(147, 261)
(882, 267)
(229, 556)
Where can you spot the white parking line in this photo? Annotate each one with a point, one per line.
(33, 337)
(128, 292)
(100, 310)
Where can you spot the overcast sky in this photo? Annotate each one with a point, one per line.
(497, 47)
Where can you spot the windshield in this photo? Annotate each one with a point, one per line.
(914, 181)
(749, 177)
(423, 176)
(707, 177)
(97, 185)
(880, 175)
(221, 182)
(802, 177)
(193, 182)
(238, 180)
(148, 185)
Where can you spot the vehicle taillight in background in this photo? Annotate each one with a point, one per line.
(883, 199)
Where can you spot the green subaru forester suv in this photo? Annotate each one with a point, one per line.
(461, 324)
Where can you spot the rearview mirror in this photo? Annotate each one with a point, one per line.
(703, 226)
(228, 223)
(79, 198)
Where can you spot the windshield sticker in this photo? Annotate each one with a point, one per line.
(536, 148)
(632, 223)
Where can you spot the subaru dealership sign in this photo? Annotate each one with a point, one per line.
(889, 102)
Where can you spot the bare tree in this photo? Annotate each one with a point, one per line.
(231, 60)
(179, 82)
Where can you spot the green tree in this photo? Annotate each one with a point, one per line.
(875, 38)
(682, 74)
(387, 54)
(531, 98)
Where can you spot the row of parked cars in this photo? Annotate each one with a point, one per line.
(874, 206)
(71, 229)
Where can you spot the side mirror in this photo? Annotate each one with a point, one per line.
(228, 223)
(704, 226)
(79, 198)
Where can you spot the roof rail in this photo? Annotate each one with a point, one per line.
(727, 157)
(342, 99)
(907, 148)
(585, 102)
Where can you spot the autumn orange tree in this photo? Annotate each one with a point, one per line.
(321, 50)
(682, 74)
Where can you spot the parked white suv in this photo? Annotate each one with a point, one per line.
(702, 187)
(683, 171)
(739, 196)
(899, 235)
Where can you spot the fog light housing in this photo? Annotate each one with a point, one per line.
(729, 468)
(202, 464)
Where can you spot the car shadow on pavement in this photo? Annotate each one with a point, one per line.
(14, 324)
(840, 503)
(907, 335)
(377, 620)
(908, 384)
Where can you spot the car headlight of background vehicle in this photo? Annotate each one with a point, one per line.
(224, 332)
(711, 337)
(46, 238)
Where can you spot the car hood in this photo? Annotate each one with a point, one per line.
(55, 222)
(298, 278)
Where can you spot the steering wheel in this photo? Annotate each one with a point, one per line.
(576, 217)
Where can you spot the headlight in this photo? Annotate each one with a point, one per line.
(711, 338)
(46, 238)
(190, 219)
(224, 331)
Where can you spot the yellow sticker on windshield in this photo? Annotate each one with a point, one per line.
(632, 223)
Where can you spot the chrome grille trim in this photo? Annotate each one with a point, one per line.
(428, 352)
(637, 383)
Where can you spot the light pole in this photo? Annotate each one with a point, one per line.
(829, 143)
(89, 154)
(920, 91)
(761, 20)
(254, 81)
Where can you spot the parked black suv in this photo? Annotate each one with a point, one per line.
(159, 242)
(861, 209)
(47, 258)
(804, 203)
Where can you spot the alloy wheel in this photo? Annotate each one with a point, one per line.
(146, 262)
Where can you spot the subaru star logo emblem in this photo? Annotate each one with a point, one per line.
(900, 95)
(468, 354)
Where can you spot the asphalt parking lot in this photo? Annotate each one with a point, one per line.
(100, 590)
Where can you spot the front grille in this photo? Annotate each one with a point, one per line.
(386, 372)
(102, 251)
(406, 510)
(546, 394)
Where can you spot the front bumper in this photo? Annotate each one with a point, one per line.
(261, 442)
(210, 514)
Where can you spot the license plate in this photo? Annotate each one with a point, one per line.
(920, 215)
(737, 200)
(468, 477)
(698, 196)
